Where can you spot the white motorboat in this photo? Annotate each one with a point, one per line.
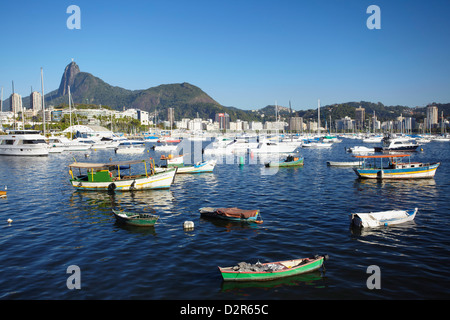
(372, 139)
(165, 147)
(68, 145)
(23, 143)
(131, 149)
(344, 163)
(273, 147)
(317, 145)
(360, 149)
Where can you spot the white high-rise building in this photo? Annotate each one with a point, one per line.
(16, 103)
(36, 102)
(432, 116)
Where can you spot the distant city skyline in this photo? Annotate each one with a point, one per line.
(244, 54)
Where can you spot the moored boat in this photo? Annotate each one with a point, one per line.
(172, 161)
(3, 193)
(394, 168)
(271, 270)
(23, 143)
(290, 161)
(273, 147)
(130, 149)
(200, 167)
(110, 177)
(390, 143)
(135, 219)
(344, 163)
(360, 149)
(382, 218)
(233, 214)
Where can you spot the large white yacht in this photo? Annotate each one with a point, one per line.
(23, 143)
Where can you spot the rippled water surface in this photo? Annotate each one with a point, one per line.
(305, 211)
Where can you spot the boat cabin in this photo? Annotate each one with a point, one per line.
(108, 172)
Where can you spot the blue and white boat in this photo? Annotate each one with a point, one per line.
(374, 168)
(382, 218)
(177, 161)
(200, 167)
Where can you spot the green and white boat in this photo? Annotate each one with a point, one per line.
(290, 161)
(113, 176)
(135, 219)
(271, 270)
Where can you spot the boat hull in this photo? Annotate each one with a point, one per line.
(40, 151)
(129, 150)
(297, 163)
(344, 163)
(399, 149)
(291, 269)
(212, 213)
(382, 218)
(409, 172)
(207, 166)
(161, 180)
(137, 220)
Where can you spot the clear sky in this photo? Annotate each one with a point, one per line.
(243, 53)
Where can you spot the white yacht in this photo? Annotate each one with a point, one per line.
(272, 147)
(23, 143)
(68, 145)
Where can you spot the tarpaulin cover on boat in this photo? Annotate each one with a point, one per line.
(236, 212)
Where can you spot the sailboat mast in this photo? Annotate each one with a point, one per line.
(1, 109)
(318, 116)
(43, 101)
(70, 113)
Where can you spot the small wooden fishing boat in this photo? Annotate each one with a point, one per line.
(382, 218)
(233, 214)
(290, 161)
(373, 168)
(271, 270)
(177, 161)
(3, 193)
(135, 219)
(200, 167)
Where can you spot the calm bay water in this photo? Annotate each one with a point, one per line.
(305, 211)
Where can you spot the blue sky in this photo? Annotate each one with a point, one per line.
(246, 54)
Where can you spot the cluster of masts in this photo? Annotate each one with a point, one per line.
(43, 103)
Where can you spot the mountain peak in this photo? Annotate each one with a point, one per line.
(72, 69)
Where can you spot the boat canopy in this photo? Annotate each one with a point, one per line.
(385, 156)
(88, 165)
(237, 213)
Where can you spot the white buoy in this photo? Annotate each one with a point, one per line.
(188, 225)
(9, 220)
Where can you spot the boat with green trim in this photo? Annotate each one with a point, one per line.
(112, 176)
(290, 161)
(271, 270)
(135, 219)
(374, 168)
